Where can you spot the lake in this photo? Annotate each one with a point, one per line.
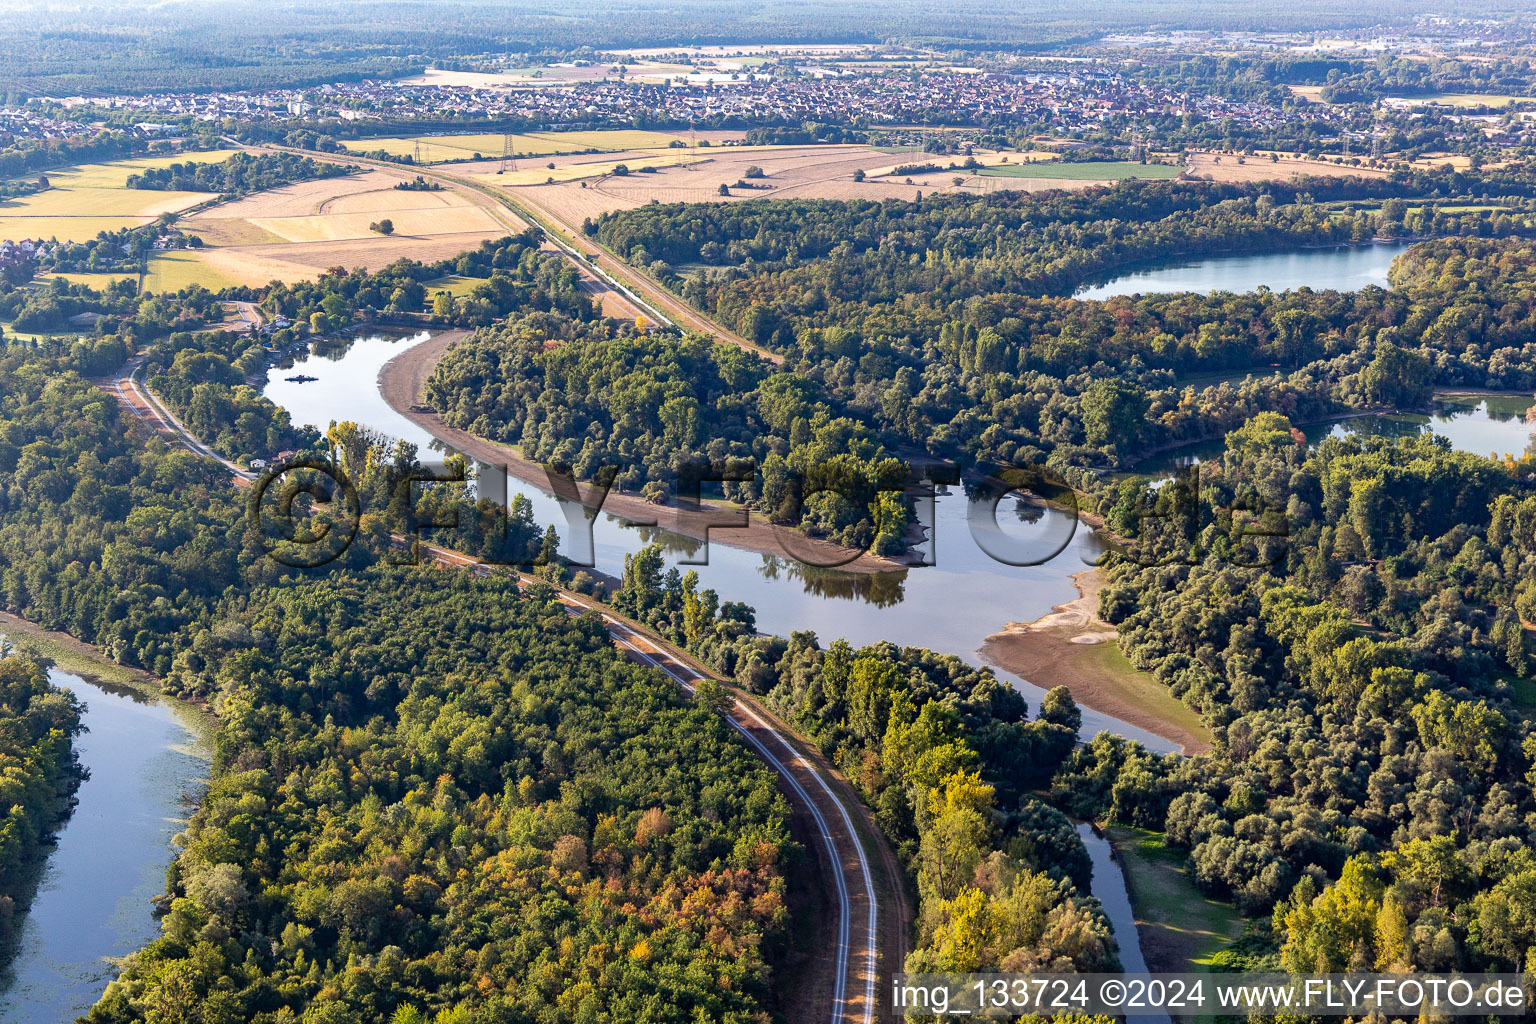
(148, 761)
(1345, 268)
(1480, 424)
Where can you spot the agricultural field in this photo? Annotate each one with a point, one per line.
(1466, 99)
(295, 232)
(443, 148)
(173, 271)
(1259, 167)
(575, 171)
(84, 201)
(799, 172)
(1100, 170)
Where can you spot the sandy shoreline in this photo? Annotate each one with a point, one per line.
(1062, 648)
(403, 378)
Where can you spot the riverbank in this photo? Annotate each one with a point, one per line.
(146, 759)
(403, 379)
(1072, 647)
(71, 655)
(78, 658)
(1178, 927)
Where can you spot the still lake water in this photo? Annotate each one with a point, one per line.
(1480, 424)
(1345, 268)
(148, 760)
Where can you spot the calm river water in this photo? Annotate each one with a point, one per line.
(148, 759)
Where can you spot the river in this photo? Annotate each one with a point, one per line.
(950, 606)
(148, 759)
(1344, 268)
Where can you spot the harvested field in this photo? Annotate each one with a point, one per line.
(86, 200)
(255, 267)
(801, 172)
(1224, 167)
(65, 229)
(332, 227)
(1098, 170)
(441, 148)
(301, 199)
(114, 174)
(102, 202)
(371, 253)
(574, 170)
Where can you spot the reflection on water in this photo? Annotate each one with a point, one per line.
(881, 589)
(1109, 886)
(950, 606)
(1480, 424)
(1345, 268)
(147, 761)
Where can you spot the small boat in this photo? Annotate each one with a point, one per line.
(300, 378)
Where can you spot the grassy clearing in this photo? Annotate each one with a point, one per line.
(173, 271)
(1180, 927)
(1099, 170)
(1142, 689)
(455, 284)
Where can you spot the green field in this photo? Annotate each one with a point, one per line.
(1180, 927)
(173, 271)
(455, 284)
(1101, 170)
(1143, 690)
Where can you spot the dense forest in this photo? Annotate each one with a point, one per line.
(938, 328)
(944, 754)
(241, 174)
(1350, 619)
(433, 794)
(1366, 675)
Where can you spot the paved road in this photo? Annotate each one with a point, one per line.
(139, 400)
